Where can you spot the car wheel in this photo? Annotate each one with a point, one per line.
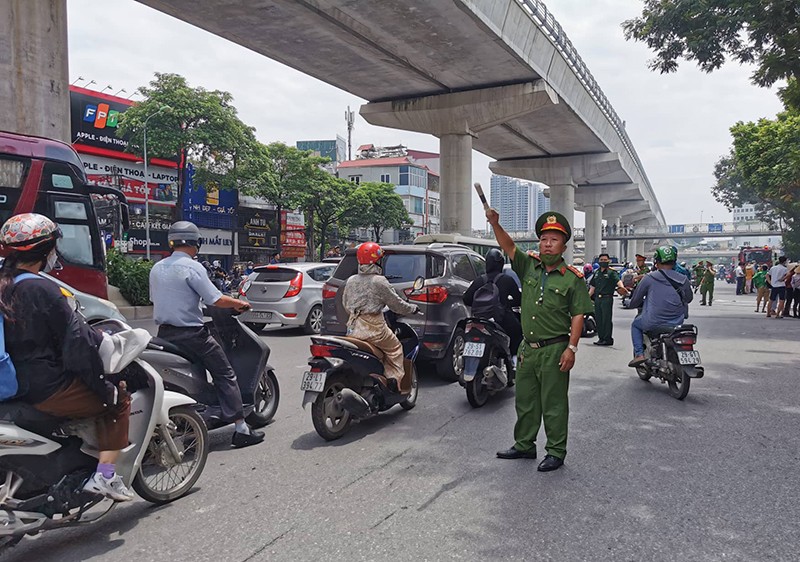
(313, 323)
(451, 365)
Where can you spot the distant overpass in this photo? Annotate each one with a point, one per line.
(672, 232)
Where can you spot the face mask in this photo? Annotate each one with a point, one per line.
(603, 265)
(52, 259)
(549, 259)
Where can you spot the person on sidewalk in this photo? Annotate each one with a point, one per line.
(739, 275)
(796, 291)
(602, 287)
(707, 285)
(787, 308)
(178, 285)
(554, 300)
(762, 288)
(777, 296)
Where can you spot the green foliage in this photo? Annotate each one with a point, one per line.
(131, 277)
(378, 207)
(711, 31)
(764, 168)
(329, 202)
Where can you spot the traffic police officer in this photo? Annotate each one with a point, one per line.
(601, 287)
(554, 300)
(707, 284)
(641, 269)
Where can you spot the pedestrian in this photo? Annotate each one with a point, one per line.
(249, 269)
(602, 287)
(776, 278)
(796, 291)
(707, 285)
(275, 259)
(554, 300)
(614, 229)
(749, 271)
(762, 288)
(739, 274)
(787, 308)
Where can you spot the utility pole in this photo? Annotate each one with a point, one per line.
(349, 118)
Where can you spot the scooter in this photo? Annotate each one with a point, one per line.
(45, 461)
(486, 358)
(248, 355)
(670, 356)
(345, 380)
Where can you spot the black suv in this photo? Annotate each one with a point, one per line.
(448, 269)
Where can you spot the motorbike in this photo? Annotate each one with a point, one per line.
(247, 353)
(345, 379)
(670, 356)
(589, 326)
(486, 359)
(45, 461)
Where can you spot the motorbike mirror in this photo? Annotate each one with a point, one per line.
(419, 282)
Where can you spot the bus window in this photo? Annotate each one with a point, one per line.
(12, 172)
(76, 244)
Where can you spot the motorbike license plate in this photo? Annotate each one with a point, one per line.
(261, 315)
(313, 382)
(472, 349)
(689, 357)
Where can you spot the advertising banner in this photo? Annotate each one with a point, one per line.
(162, 185)
(217, 242)
(293, 235)
(208, 205)
(258, 228)
(94, 118)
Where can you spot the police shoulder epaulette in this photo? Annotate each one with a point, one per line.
(576, 271)
(534, 255)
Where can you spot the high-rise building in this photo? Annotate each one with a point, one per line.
(519, 202)
(336, 150)
(746, 212)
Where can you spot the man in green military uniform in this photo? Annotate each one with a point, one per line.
(698, 270)
(707, 284)
(602, 286)
(641, 269)
(554, 300)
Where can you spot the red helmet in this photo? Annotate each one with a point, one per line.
(369, 253)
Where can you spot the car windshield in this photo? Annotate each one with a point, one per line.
(398, 268)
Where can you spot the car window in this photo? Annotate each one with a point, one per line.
(462, 267)
(281, 275)
(404, 268)
(321, 274)
(347, 267)
(479, 263)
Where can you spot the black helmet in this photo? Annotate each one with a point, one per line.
(184, 233)
(494, 261)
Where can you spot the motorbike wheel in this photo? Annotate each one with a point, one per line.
(680, 388)
(411, 401)
(643, 373)
(477, 393)
(451, 365)
(330, 421)
(589, 327)
(161, 480)
(268, 395)
(255, 326)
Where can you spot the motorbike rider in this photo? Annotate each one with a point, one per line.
(177, 285)
(510, 298)
(54, 351)
(664, 294)
(364, 297)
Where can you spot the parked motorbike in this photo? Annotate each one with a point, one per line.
(589, 326)
(45, 461)
(486, 359)
(248, 355)
(345, 380)
(670, 356)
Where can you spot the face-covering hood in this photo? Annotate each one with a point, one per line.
(370, 269)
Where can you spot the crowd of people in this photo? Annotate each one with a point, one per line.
(777, 288)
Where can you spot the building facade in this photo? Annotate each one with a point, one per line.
(745, 213)
(519, 202)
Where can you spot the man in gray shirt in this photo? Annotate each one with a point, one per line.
(777, 280)
(177, 285)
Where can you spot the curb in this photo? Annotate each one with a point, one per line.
(136, 312)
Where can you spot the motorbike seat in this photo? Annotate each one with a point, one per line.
(27, 417)
(363, 346)
(170, 347)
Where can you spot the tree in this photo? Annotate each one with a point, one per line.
(198, 125)
(710, 31)
(330, 202)
(764, 168)
(378, 207)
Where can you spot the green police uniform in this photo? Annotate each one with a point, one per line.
(549, 301)
(605, 284)
(707, 287)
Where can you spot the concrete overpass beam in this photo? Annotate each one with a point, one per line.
(582, 170)
(606, 194)
(627, 209)
(594, 224)
(456, 183)
(34, 69)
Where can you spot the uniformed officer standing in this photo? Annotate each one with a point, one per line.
(641, 269)
(707, 284)
(602, 287)
(554, 300)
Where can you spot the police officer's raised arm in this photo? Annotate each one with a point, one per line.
(505, 241)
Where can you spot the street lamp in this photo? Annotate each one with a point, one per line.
(146, 184)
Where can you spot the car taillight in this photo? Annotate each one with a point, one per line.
(433, 294)
(245, 287)
(295, 286)
(321, 350)
(329, 291)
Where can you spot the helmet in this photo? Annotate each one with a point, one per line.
(665, 254)
(494, 260)
(369, 253)
(587, 269)
(183, 233)
(28, 231)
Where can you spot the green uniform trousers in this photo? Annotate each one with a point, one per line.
(541, 393)
(707, 290)
(603, 309)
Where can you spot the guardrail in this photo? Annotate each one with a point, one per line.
(542, 16)
(697, 230)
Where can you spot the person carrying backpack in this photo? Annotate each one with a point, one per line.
(494, 295)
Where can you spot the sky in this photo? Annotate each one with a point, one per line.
(679, 123)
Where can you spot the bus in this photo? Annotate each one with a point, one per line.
(761, 256)
(46, 176)
(480, 245)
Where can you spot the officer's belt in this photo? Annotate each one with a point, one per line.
(609, 295)
(544, 343)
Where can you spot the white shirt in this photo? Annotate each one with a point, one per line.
(738, 272)
(776, 274)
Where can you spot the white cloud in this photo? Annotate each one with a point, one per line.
(679, 123)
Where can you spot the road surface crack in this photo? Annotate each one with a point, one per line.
(445, 488)
(384, 520)
(370, 471)
(269, 544)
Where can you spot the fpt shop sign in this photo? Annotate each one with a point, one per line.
(94, 119)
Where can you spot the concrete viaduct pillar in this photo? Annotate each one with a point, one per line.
(594, 232)
(34, 69)
(562, 200)
(457, 118)
(614, 246)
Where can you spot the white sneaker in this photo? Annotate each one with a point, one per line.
(112, 488)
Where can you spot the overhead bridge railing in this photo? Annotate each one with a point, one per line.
(542, 16)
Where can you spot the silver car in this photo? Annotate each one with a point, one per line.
(93, 308)
(286, 294)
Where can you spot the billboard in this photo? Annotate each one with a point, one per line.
(94, 118)
(208, 205)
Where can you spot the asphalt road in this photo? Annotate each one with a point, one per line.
(647, 477)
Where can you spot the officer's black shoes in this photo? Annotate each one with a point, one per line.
(512, 453)
(550, 463)
(241, 440)
(604, 343)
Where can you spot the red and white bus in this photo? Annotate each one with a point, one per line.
(47, 176)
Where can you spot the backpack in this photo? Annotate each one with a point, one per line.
(486, 302)
(8, 374)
